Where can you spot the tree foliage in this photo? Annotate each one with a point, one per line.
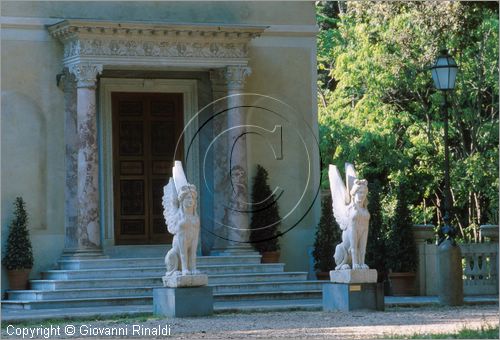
(19, 254)
(328, 235)
(400, 247)
(265, 220)
(379, 109)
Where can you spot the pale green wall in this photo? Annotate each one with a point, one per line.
(32, 120)
(32, 141)
(285, 68)
(241, 12)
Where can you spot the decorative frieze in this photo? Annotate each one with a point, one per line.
(101, 40)
(100, 47)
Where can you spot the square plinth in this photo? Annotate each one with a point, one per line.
(347, 297)
(178, 281)
(353, 276)
(183, 302)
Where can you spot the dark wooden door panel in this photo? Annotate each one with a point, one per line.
(146, 128)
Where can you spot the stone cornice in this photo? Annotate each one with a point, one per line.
(69, 28)
(147, 43)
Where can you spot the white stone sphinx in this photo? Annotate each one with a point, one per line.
(179, 204)
(349, 204)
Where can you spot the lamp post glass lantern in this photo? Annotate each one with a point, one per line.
(444, 73)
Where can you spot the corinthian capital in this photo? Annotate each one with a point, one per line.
(86, 73)
(232, 77)
(236, 75)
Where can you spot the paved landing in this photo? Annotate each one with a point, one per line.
(104, 312)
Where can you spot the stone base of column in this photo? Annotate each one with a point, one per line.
(91, 253)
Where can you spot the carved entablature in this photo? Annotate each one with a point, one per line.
(111, 43)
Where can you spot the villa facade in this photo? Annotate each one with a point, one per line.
(99, 98)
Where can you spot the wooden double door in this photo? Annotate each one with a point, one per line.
(146, 129)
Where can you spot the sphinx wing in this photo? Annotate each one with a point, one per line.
(350, 177)
(339, 194)
(170, 206)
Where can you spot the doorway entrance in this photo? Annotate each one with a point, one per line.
(146, 128)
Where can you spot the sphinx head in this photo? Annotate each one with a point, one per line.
(359, 192)
(187, 197)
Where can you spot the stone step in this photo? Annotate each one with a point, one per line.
(138, 251)
(143, 299)
(77, 303)
(268, 296)
(69, 294)
(222, 289)
(268, 286)
(156, 281)
(153, 262)
(268, 306)
(158, 271)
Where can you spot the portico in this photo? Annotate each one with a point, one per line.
(92, 48)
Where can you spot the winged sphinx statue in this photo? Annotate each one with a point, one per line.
(349, 204)
(179, 210)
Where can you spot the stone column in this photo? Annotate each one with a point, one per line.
(422, 233)
(88, 231)
(71, 140)
(237, 217)
(230, 161)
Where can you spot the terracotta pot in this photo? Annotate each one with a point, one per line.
(18, 278)
(323, 275)
(403, 284)
(270, 257)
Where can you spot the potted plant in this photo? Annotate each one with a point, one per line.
(18, 257)
(265, 220)
(401, 249)
(328, 235)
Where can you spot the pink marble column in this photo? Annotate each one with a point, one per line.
(237, 217)
(88, 227)
(230, 160)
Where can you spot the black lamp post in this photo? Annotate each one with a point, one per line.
(444, 73)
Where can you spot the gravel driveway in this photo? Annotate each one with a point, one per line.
(291, 325)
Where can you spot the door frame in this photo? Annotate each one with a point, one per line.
(188, 87)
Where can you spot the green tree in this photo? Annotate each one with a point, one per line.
(265, 220)
(376, 247)
(378, 106)
(401, 250)
(328, 235)
(19, 254)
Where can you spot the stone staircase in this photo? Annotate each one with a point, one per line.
(240, 282)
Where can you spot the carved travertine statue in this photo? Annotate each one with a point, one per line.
(179, 204)
(350, 210)
(235, 217)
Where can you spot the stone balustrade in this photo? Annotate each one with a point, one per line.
(480, 261)
(480, 268)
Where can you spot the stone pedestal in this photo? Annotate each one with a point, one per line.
(347, 297)
(183, 302)
(353, 276)
(353, 290)
(451, 286)
(185, 281)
